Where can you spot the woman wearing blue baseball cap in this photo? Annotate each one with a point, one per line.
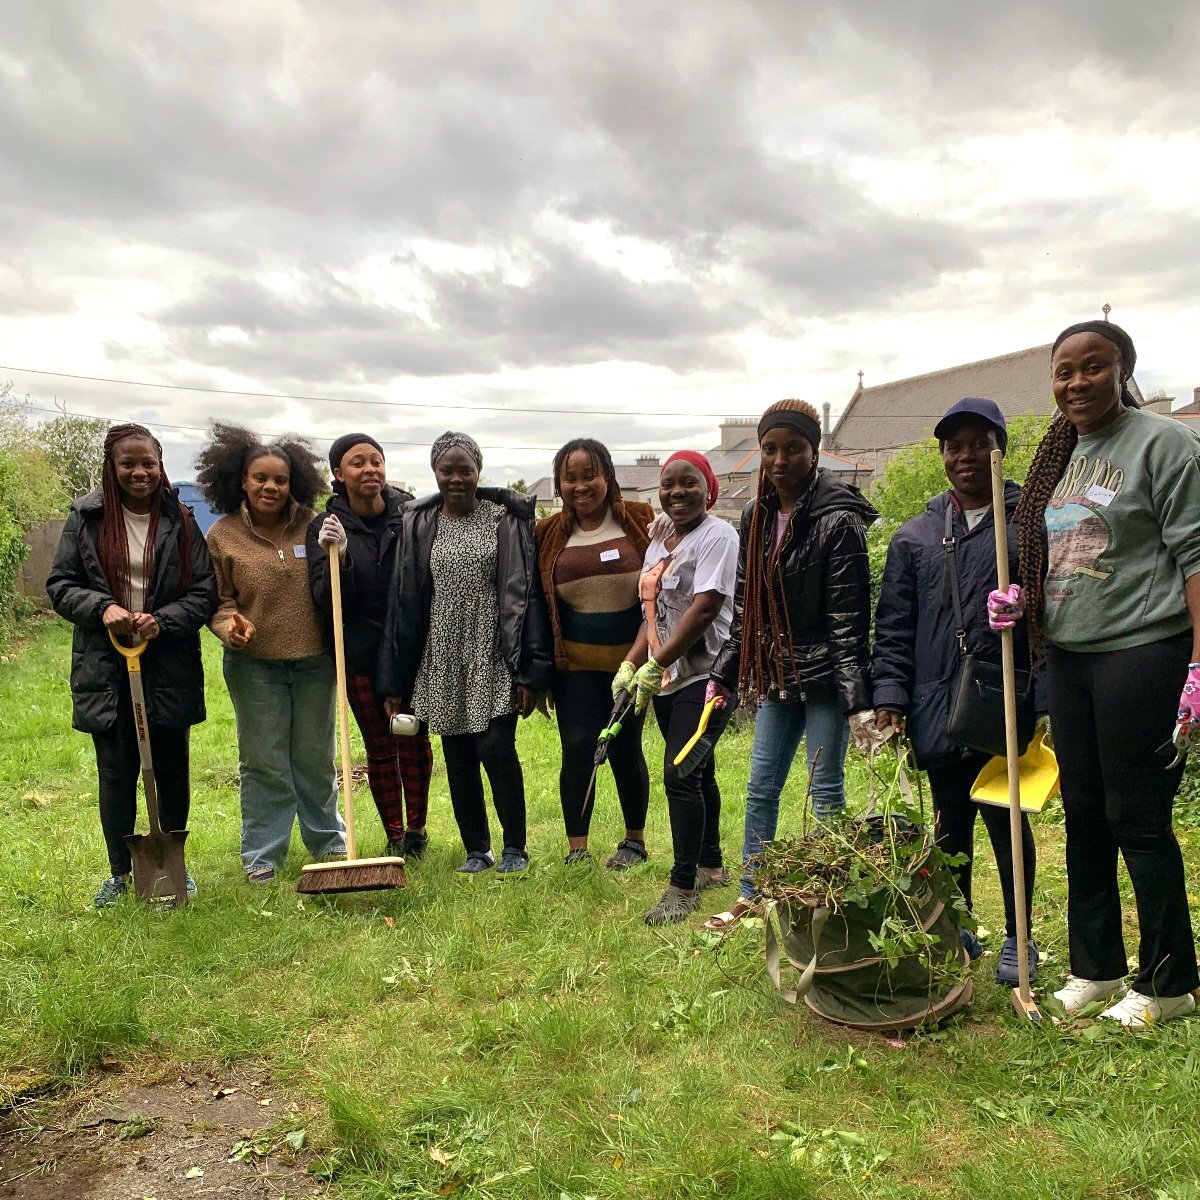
(918, 649)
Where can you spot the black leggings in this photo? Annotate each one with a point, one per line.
(119, 768)
(582, 703)
(956, 811)
(693, 800)
(1110, 712)
(495, 750)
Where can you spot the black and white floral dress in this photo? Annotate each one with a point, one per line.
(463, 682)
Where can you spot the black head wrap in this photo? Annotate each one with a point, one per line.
(778, 416)
(1118, 337)
(347, 442)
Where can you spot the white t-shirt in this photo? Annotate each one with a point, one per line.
(704, 561)
(137, 529)
(974, 515)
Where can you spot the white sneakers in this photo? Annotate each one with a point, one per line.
(1136, 1011)
(1078, 993)
(1133, 1010)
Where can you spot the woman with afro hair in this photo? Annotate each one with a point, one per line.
(280, 678)
(132, 562)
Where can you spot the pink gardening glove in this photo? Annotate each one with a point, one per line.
(718, 692)
(1187, 727)
(1005, 609)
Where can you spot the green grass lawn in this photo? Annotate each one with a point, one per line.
(532, 1038)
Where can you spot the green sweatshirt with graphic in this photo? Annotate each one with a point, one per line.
(1123, 528)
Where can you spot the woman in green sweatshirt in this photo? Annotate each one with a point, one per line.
(1110, 552)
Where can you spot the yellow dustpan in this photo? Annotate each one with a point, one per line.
(1037, 777)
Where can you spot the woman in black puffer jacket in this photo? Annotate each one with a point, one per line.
(132, 560)
(802, 613)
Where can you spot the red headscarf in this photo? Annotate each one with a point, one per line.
(703, 466)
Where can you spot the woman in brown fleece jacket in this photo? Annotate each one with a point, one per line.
(279, 675)
(590, 559)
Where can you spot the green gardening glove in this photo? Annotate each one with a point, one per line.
(647, 683)
(622, 681)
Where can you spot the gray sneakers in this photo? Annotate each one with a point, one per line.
(676, 905)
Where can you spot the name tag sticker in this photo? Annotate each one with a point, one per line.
(669, 582)
(609, 555)
(300, 550)
(1100, 495)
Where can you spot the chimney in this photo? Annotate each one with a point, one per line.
(825, 425)
(1196, 397)
(647, 460)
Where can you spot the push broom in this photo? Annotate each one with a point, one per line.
(354, 874)
(1022, 999)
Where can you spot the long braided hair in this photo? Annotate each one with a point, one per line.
(1049, 462)
(114, 541)
(766, 623)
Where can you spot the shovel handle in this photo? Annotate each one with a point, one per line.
(137, 694)
(132, 653)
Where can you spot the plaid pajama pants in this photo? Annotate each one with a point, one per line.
(398, 768)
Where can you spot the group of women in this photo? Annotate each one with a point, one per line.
(463, 613)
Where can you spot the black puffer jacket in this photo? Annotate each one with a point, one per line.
(366, 570)
(916, 655)
(172, 675)
(827, 590)
(524, 628)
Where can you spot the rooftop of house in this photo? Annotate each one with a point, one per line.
(888, 415)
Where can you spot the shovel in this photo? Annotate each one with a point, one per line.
(1022, 998)
(158, 869)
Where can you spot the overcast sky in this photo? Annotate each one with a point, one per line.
(473, 215)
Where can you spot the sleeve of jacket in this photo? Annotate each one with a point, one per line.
(536, 642)
(848, 610)
(894, 661)
(388, 674)
(68, 585)
(727, 665)
(189, 613)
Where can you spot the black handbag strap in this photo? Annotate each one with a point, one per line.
(950, 545)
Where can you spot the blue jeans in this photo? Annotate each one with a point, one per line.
(284, 710)
(778, 728)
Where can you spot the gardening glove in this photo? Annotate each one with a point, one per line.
(864, 732)
(332, 533)
(1187, 726)
(718, 693)
(1005, 609)
(647, 683)
(622, 681)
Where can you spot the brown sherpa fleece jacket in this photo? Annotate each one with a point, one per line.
(267, 582)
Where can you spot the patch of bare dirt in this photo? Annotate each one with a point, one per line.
(184, 1134)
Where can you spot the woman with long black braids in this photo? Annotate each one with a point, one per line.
(1110, 556)
(798, 647)
(132, 561)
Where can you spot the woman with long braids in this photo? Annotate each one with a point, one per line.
(132, 561)
(1110, 556)
(590, 558)
(279, 675)
(798, 647)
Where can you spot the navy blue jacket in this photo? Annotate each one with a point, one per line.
(916, 656)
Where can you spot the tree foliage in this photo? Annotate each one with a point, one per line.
(74, 447)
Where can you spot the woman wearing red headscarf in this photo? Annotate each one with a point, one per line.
(687, 593)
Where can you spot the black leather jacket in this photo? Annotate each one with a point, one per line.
(523, 630)
(827, 590)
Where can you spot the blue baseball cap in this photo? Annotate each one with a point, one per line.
(974, 406)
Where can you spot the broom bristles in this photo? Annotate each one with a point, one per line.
(361, 875)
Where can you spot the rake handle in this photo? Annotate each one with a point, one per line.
(1008, 667)
(339, 666)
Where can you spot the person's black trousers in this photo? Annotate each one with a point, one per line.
(1110, 713)
(693, 800)
(118, 770)
(582, 704)
(495, 750)
(955, 814)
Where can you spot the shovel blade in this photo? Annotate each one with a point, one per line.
(158, 866)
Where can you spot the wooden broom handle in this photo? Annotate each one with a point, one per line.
(339, 664)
